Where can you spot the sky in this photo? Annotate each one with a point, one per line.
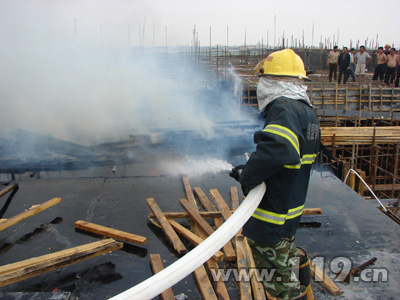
(117, 23)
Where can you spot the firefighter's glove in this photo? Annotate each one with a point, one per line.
(235, 173)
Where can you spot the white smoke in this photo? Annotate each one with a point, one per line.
(90, 96)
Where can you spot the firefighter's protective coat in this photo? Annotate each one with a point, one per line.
(285, 151)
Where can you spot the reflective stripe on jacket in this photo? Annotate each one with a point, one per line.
(286, 149)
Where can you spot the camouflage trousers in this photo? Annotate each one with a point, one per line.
(282, 282)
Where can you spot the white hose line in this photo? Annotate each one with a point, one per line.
(355, 172)
(174, 273)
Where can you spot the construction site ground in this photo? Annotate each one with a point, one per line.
(350, 227)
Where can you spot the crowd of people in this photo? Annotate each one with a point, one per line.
(354, 64)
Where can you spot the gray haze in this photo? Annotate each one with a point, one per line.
(90, 95)
(67, 68)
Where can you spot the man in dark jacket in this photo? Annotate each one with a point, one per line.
(344, 65)
(286, 149)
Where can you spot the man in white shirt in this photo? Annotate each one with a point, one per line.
(361, 59)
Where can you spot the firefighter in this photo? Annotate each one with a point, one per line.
(286, 149)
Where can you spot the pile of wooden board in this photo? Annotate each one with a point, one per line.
(237, 250)
(360, 135)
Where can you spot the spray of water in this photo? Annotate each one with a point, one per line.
(194, 166)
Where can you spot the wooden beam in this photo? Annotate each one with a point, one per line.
(208, 205)
(25, 269)
(234, 197)
(257, 286)
(324, 280)
(242, 264)
(36, 260)
(312, 211)
(188, 191)
(166, 227)
(213, 214)
(7, 189)
(193, 238)
(5, 223)
(228, 248)
(352, 181)
(223, 207)
(157, 266)
(194, 214)
(219, 285)
(206, 289)
(110, 232)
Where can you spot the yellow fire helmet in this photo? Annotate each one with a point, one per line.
(282, 63)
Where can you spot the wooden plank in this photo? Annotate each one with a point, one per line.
(213, 214)
(8, 189)
(25, 269)
(206, 289)
(257, 286)
(5, 223)
(228, 247)
(352, 181)
(361, 184)
(196, 217)
(244, 286)
(312, 211)
(234, 197)
(157, 266)
(223, 207)
(219, 285)
(183, 214)
(166, 227)
(208, 205)
(36, 260)
(324, 280)
(111, 232)
(193, 238)
(188, 191)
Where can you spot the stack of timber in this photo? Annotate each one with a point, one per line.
(360, 135)
(31, 267)
(236, 251)
(21, 270)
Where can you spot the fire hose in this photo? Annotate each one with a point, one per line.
(174, 273)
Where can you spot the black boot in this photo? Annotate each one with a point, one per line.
(305, 274)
